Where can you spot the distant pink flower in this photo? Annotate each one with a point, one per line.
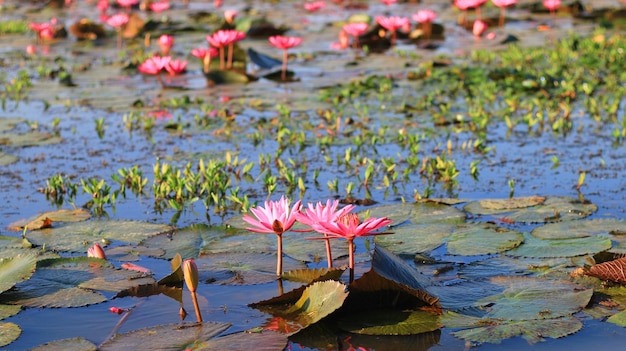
(96, 251)
(479, 28)
(174, 67)
(356, 29)
(31, 49)
(392, 24)
(284, 43)
(551, 5)
(314, 215)
(134, 267)
(314, 6)
(217, 3)
(205, 55)
(424, 16)
(343, 43)
(102, 5)
(44, 30)
(350, 227)
(127, 3)
(154, 65)
(276, 217)
(118, 20)
(159, 6)
(160, 114)
(388, 2)
(165, 43)
(229, 16)
(223, 38)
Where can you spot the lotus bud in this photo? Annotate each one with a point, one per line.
(96, 251)
(190, 271)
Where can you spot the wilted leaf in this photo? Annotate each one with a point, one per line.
(39, 221)
(8, 333)
(73, 344)
(614, 271)
(311, 275)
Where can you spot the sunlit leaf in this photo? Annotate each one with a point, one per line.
(390, 322)
(173, 337)
(31, 138)
(16, 269)
(79, 236)
(578, 229)
(543, 248)
(412, 238)
(226, 77)
(553, 209)
(311, 275)
(618, 318)
(189, 241)
(63, 215)
(482, 239)
(7, 311)
(73, 344)
(491, 206)
(132, 252)
(8, 333)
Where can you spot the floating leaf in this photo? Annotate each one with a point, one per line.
(132, 252)
(580, 229)
(191, 241)
(618, 319)
(8, 123)
(390, 322)
(69, 282)
(226, 77)
(242, 268)
(7, 159)
(418, 213)
(63, 215)
(311, 275)
(491, 206)
(7, 311)
(413, 238)
(79, 236)
(482, 239)
(265, 340)
(528, 298)
(495, 331)
(73, 344)
(553, 209)
(16, 269)
(8, 333)
(543, 248)
(166, 337)
(31, 138)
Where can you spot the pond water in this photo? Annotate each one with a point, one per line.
(535, 146)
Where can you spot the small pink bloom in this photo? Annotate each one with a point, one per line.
(504, 3)
(314, 6)
(319, 213)
(424, 16)
(96, 251)
(175, 67)
(355, 29)
(118, 20)
(217, 3)
(491, 35)
(134, 267)
(202, 52)
(479, 28)
(552, 5)
(127, 3)
(154, 65)
(463, 5)
(393, 23)
(160, 114)
(117, 310)
(229, 16)
(343, 43)
(225, 37)
(159, 6)
(165, 43)
(31, 49)
(103, 5)
(224, 98)
(349, 226)
(284, 42)
(388, 2)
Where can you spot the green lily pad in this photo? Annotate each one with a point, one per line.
(418, 213)
(11, 242)
(482, 239)
(580, 229)
(390, 322)
(70, 282)
(413, 238)
(526, 298)
(242, 268)
(16, 269)
(8, 123)
(494, 206)
(7, 159)
(191, 241)
(73, 344)
(618, 319)
(312, 275)
(167, 337)
(7, 311)
(495, 331)
(8, 333)
(31, 138)
(79, 236)
(132, 252)
(63, 215)
(544, 248)
(309, 247)
(226, 77)
(553, 209)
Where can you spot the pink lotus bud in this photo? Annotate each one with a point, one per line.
(96, 251)
(190, 272)
(479, 28)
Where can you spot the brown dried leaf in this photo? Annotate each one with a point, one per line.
(614, 271)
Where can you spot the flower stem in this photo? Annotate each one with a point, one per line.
(279, 259)
(230, 56)
(501, 17)
(196, 306)
(351, 256)
(207, 62)
(329, 255)
(221, 57)
(284, 74)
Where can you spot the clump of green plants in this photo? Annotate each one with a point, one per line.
(13, 27)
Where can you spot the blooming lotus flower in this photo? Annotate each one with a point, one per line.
(502, 4)
(392, 24)
(314, 6)
(425, 18)
(349, 227)
(154, 65)
(314, 215)
(165, 43)
(44, 30)
(356, 29)
(551, 5)
(275, 217)
(174, 67)
(118, 21)
(479, 28)
(284, 43)
(205, 55)
(127, 3)
(102, 5)
(388, 2)
(96, 251)
(223, 38)
(159, 6)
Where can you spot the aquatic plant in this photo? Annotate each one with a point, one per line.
(284, 43)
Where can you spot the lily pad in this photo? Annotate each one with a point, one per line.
(390, 322)
(132, 252)
(242, 268)
(7, 159)
(77, 237)
(226, 77)
(482, 239)
(8, 123)
(580, 229)
(191, 241)
(618, 319)
(8, 333)
(16, 269)
(413, 238)
(167, 337)
(73, 344)
(70, 282)
(418, 213)
(544, 248)
(32, 138)
(492, 206)
(312, 275)
(7, 311)
(63, 215)
(553, 209)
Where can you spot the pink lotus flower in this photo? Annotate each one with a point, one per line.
(118, 21)
(314, 215)
(425, 18)
(479, 28)
(223, 38)
(314, 6)
(44, 30)
(343, 43)
(127, 3)
(96, 251)
(551, 5)
(356, 29)
(350, 227)
(388, 2)
(392, 24)
(102, 5)
(165, 43)
(31, 49)
(502, 4)
(174, 67)
(284, 43)
(159, 6)
(154, 65)
(229, 16)
(205, 55)
(276, 217)
(117, 310)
